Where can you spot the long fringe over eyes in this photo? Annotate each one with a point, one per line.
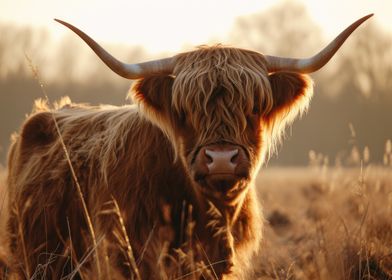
(218, 87)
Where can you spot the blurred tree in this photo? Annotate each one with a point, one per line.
(286, 29)
(15, 41)
(365, 65)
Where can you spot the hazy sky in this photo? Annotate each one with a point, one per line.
(168, 25)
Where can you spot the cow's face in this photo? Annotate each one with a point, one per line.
(220, 110)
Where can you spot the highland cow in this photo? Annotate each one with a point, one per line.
(163, 188)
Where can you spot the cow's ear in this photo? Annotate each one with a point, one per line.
(154, 92)
(291, 95)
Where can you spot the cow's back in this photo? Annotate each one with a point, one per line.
(116, 155)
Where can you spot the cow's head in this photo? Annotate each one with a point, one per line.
(219, 108)
(222, 108)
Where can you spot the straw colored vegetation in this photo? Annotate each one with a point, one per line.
(327, 223)
(3, 208)
(321, 223)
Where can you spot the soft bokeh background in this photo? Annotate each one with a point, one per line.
(351, 113)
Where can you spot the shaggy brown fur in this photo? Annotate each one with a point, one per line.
(140, 157)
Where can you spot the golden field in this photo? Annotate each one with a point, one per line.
(321, 223)
(326, 223)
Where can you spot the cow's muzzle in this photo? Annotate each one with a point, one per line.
(221, 169)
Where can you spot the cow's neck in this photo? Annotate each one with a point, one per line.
(229, 212)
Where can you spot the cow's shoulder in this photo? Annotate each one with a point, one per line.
(38, 130)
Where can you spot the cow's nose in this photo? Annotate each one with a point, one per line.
(220, 167)
(221, 161)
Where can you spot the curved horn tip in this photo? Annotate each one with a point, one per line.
(362, 19)
(59, 21)
(369, 15)
(70, 26)
(66, 24)
(312, 64)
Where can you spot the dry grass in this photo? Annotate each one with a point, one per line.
(3, 218)
(327, 223)
(321, 223)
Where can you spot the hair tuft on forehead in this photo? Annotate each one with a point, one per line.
(217, 87)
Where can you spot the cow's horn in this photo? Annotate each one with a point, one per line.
(129, 71)
(314, 63)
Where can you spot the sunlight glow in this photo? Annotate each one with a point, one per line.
(174, 24)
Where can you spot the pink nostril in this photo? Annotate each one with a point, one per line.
(221, 161)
